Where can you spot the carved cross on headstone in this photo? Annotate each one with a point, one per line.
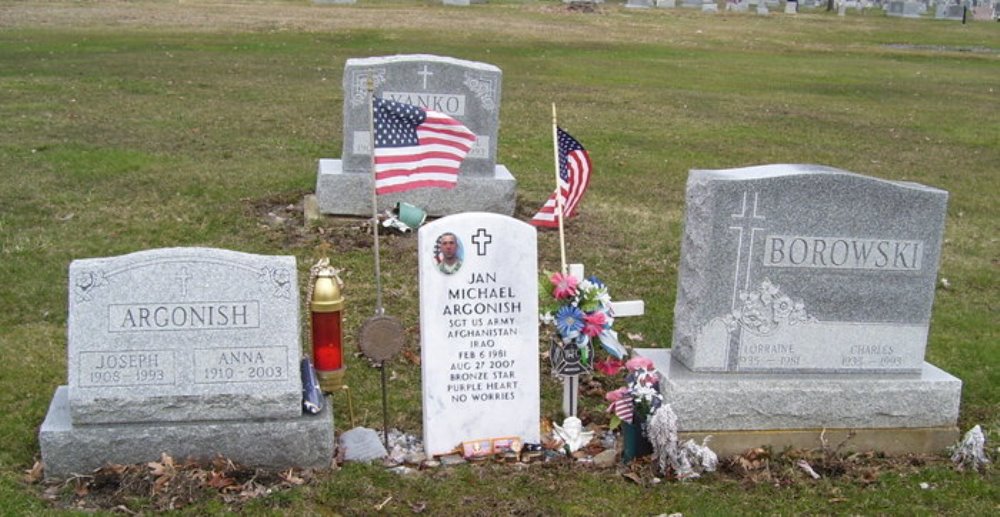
(183, 277)
(481, 239)
(571, 383)
(746, 223)
(425, 74)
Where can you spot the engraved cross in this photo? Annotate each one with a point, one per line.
(481, 239)
(745, 222)
(425, 73)
(183, 277)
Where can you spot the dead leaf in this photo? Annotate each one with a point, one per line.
(418, 507)
(160, 483)
(81, 487)
(412, 357)
(35, 473)
(632, 476)
(219, 480)
(635, 336)
(290, 478)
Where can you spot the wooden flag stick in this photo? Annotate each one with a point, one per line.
(559, 199)
(371, 153)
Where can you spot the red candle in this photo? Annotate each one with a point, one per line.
(327, 351)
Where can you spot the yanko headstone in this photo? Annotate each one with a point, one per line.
(466, 90)
(478, 330)
(804, 302)
(187, 351)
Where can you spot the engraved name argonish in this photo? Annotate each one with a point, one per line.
(843, 253)
(183, 316)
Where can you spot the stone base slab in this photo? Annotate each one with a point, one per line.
(923, 440)
(306, 441)
(350, 193)
(714, 402)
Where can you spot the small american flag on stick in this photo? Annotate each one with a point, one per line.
(416, 148)
(574, 177)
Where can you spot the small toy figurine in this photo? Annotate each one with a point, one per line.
(572, 434)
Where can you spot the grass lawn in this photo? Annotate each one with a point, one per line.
(133, 125)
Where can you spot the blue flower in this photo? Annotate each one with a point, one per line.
(569, 321)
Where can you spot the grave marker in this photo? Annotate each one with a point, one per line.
(789, 270)
(161, 339)
(465, 90)
(478, 330)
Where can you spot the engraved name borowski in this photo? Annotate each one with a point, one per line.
(842, 253)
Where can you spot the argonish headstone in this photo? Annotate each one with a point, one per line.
(466, 90)
(789, 270)
(478, 330)
(188, 351)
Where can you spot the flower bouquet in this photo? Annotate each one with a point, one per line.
(633, 406)
(580, 310)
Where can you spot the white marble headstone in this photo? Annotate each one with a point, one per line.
(479, 331)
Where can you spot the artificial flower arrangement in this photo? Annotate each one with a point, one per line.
(581, 312)
(639, 399)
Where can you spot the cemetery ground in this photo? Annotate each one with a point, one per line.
(133, 125)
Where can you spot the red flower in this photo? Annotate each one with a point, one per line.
(609, 366)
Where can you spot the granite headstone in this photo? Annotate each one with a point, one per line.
(478, 330)
(803, 303)
(161, 339)
(466, 90)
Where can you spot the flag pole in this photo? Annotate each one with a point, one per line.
(371, 153)
(559, 197)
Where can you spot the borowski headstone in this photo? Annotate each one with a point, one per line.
(478, 330)
(466, 90)
(816, 269)
(803, 304)
(161, 339)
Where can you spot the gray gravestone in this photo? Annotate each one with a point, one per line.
(666, 4)
(895, 8)
(162, 339)
(692, 4)
(762, 9)
(641, 4)
(478, 330)
(913, 9)
(818, 270)
(791, 7)
(466, 90)
(949, 12)
(803, 302)
(984, 13)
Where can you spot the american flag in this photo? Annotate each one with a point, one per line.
(417, 148)
(574, 176)
(624, 408)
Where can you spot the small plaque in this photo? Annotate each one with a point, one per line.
(381, 338)
(567, 360)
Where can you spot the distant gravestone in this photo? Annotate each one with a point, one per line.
(466, 90)
(709, 6)
(478, 330)
(762, 9)
(692, 4)
(984, 13)
(895, 8)
(789, 270)
(666, 4)
(739, 6)
(163, 339)
(642, 4)
(791, 7)
(949, 12)
(913, 9)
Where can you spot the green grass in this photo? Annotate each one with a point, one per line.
(127, 126)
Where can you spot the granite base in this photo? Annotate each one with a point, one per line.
(713, 403)
(345, 193)
(306, 441)
(921, 440)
